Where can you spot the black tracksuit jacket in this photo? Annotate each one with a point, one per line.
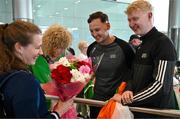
(153, 67)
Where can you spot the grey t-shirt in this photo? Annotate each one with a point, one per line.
(111, 70)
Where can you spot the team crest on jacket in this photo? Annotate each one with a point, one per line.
(144, 55)
(113, 56)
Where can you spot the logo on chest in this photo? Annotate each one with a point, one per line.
(144, 55)
(112, 56)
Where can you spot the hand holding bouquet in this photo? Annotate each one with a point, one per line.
(69, 75)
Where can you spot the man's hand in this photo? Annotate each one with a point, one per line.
(127, 97)
(117, 97)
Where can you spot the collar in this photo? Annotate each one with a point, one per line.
(149, 34)
(110, 44)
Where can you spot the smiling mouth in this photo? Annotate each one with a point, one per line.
(134, 28)
(97, 39)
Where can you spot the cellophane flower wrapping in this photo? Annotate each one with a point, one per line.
(69, 75)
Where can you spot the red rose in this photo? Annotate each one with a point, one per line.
(61, 74)
(79, 64)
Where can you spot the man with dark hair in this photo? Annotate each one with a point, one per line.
(98, 15)
(111, 56)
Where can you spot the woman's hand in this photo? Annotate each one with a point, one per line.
(62, 107)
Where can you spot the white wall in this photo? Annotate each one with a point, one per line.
(161, 11)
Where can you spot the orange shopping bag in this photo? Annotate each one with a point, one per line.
(107, 111)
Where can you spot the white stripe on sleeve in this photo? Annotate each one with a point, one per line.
(156, 86)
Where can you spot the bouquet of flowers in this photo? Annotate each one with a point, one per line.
(69, 75)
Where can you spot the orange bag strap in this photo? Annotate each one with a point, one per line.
(122, 88)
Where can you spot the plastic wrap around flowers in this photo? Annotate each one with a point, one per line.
(69, 75)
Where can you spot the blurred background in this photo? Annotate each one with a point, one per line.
(73, 14)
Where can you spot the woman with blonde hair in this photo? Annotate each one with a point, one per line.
(55, 40)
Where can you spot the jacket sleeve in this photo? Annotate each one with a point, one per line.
(129, 57)
(162, 77)
(90, 49)
(26, 98)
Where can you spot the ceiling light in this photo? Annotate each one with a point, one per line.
(57, 13)
(65, 8)
(72, 29)
(77, 2)
(38, 6)
(1, 23)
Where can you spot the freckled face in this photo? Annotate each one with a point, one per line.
(138, 22)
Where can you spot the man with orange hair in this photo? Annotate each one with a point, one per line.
(153, 66)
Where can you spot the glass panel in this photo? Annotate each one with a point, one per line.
(73, 14)
(6, 11)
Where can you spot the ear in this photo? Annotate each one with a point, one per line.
(108, 26)
(150, 15)
(18, 47)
